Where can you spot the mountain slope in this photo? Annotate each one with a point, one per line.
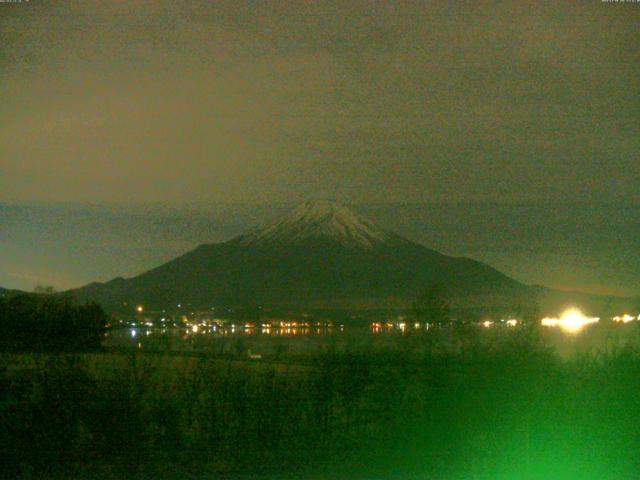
(321, 254)
(6, 293)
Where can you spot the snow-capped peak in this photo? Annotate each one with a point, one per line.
(319, 220)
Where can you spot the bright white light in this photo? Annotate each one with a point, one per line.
(195, 329)
(512, 322)
(624, 318)
(487, 323)
(133, 333)
(572, 321)
(139, 309)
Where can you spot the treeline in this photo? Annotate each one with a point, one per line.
(47, 323)
(513, 411)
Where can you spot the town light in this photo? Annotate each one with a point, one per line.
(571, 321)
(626, 318)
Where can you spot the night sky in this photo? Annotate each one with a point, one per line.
(125, 125)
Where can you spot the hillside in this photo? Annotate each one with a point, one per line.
(319, 255)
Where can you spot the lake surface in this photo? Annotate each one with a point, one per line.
(258, 342)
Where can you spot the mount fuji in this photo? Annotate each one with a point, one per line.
(321, 254)
(312, 221)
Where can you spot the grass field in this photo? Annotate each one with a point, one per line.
(512, 409)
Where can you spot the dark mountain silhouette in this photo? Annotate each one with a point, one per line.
(7, 293)
(320, 254)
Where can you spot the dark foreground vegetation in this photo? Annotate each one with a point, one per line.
(513, 411)
(45, 323)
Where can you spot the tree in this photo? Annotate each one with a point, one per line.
(49, 323)
(44, 289)
(432, 306)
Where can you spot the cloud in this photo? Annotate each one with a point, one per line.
(271, 101)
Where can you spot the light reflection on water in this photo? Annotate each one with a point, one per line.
(270, 339)
(225, 338)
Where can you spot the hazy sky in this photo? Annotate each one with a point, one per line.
(199, 101)
(138, 102)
